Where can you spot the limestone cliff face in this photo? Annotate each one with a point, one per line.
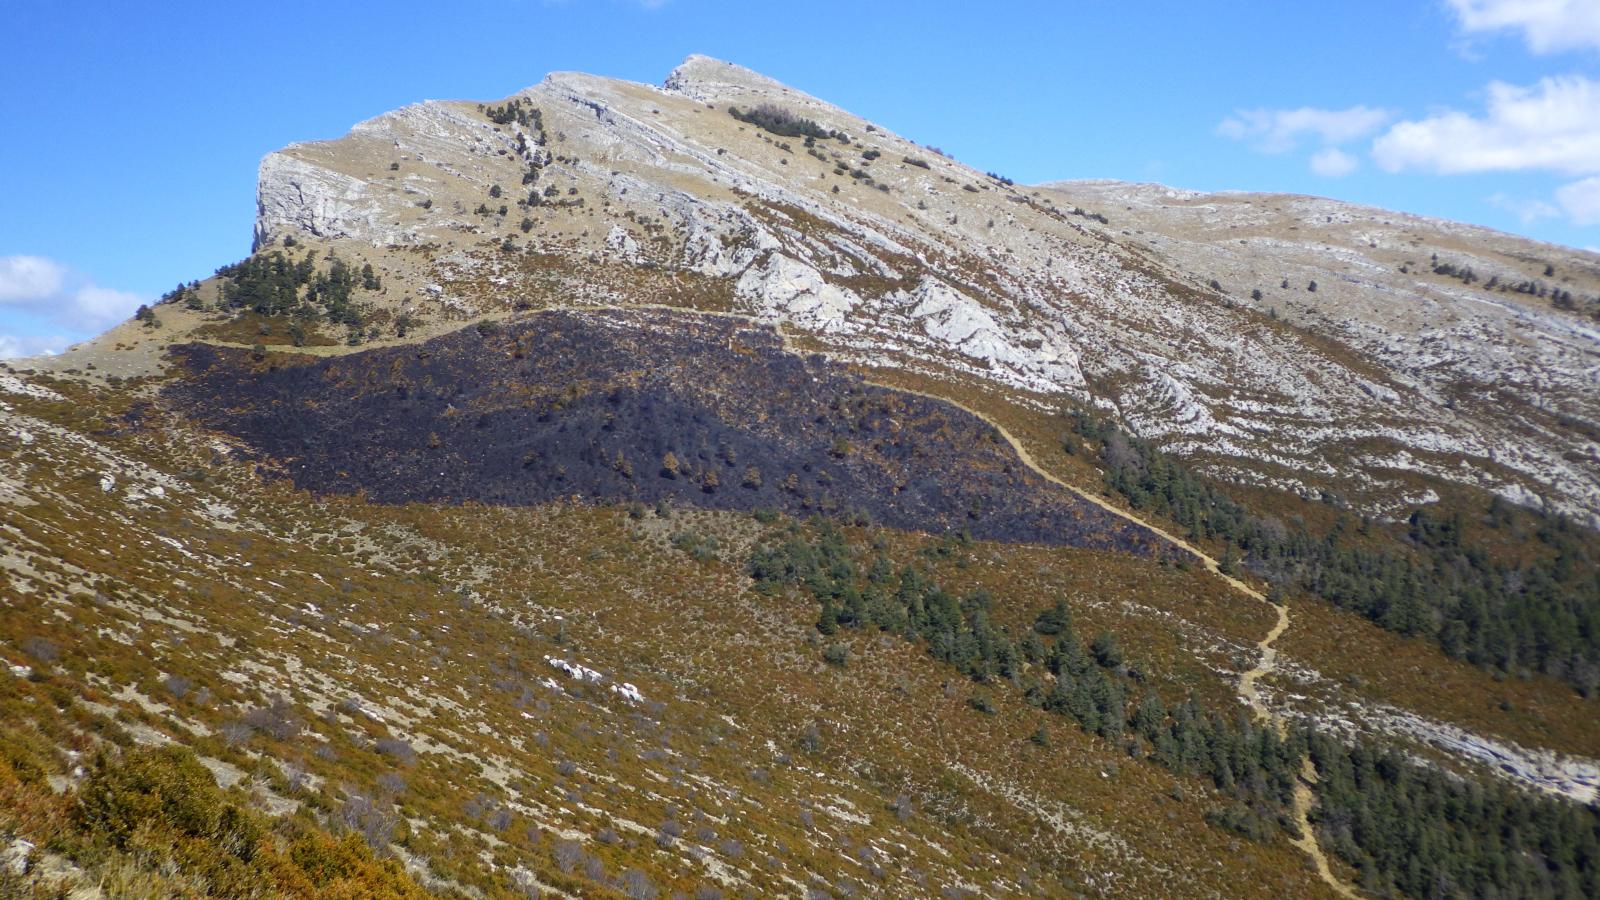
(1189, 317)
(294, 196)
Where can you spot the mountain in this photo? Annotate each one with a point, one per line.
(618, 489)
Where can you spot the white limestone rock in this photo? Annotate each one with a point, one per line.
(788, 290)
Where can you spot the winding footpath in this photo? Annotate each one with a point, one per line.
(1266, 662)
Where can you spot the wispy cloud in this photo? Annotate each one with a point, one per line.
(1580, 200)
(1547, 26)
(1282, 130)
(1333, 163)
(14, 345)
(1529, 210)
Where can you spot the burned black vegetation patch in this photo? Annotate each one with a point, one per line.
(632, 406)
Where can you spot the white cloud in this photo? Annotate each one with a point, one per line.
(1547, 26)
(1333, 163)
(1280, 130)
(1528, 210)
(96, 307)
(45, 287)
(13, 346)
(1580, 200)
(1553, 126)
(29, 279)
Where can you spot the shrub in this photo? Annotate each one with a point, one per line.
(517, 110)
(668, 833)
(500, 819)
(1054, 620)
(235, 733)
(837, 655)
(1106, 651)
(163, 790)
(903, 807)
(637, 886)
(373, 819)
(276, 719)
(781, 121)
(166, 824)
(42, 649)
(568, 854)
(177, 685)
(396, 749)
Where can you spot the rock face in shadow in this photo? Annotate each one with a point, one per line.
(631, 406)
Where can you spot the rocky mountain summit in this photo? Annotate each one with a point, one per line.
(1273, 340)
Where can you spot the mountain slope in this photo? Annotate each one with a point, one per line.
(630, 489)
(911, 259)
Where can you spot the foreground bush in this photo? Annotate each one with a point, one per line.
(153, 822)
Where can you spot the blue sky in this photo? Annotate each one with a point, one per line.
(132, 131)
